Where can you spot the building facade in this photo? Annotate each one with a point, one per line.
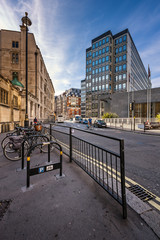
(113, 65)
(83, 98)
(13, 67)
(68, 103)
(118, 103)
(10, 105)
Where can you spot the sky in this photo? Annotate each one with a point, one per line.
(63, 29)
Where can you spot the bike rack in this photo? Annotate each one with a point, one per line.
(46, 168)
(22, 162)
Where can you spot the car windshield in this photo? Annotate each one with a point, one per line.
(101, 121)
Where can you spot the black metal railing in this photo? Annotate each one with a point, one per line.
(104, 165)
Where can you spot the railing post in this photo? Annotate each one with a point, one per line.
(134, 123)
(70, 134)
(123, 190)
(22, 166)
(60, 162)
(144, 127)
(49, 152)
(50, 131)
(28, 171)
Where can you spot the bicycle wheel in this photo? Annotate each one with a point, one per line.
(10, 153)
(4, 141)
(6, 138)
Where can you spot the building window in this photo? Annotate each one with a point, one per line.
(107, 77)
(124, 48)
(116, 59)
(120, 58)
(93, 63)
(14, 44)
(93, 55)
(124, 76)
(3, 96)
(103, 59)
(116, 78)
(100, 60)
(96, 53)
(120, 49)
(124, 38)
(116, 50)
(96, 79)
(107, 67)
(116, 69)
(96, 70)
(15, 101)
(100, 43)
(107, 49)
(100, 70)
(116, 42)
(99, 79)
(106, 86)
(103, 41)
(103, 78)
(120, 68)
(96, 44)
(120, 77)
(120, 86)
(93, 80)
(103, 69)
(103, 50)
(124, 57)
(93, 72)
(124, 85)
(124, 67)
(100, 52)
(107, 39)
(14, 57)
(107, 58)
(120, 39)
(96, 62)
(93, 46)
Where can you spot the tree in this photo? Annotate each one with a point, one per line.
(109, 115)
(158, 117)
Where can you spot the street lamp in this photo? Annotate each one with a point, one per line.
(26, 22)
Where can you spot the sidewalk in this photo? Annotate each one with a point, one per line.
(70, 208)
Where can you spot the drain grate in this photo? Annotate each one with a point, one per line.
(141, 193)
(4, 204)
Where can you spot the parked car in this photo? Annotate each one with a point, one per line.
(99, 123)
(85, 121)
(80, 120)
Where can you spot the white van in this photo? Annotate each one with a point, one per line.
(60, 119)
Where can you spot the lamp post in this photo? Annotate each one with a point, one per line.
(26, 22)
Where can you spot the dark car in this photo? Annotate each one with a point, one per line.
(99, 123)
(85, 121)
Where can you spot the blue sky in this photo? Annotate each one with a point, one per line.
(63, 30)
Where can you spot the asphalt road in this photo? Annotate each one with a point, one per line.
(142, 153)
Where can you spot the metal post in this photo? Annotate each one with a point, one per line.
(134, 123)
(70, 134)
(61, 162)
(28, 171)
(22, 166)
(49, 154)
(50, 132)
(123, 190)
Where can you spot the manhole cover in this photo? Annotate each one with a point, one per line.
(4, 204)
(141, 193)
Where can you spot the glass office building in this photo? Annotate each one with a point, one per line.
(113, 65)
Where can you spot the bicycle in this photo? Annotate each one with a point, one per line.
(18, 131)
